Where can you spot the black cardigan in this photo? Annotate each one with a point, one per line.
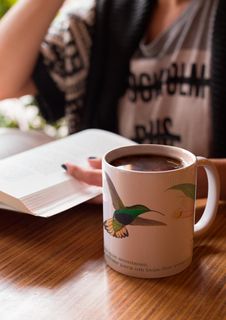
(119, 27)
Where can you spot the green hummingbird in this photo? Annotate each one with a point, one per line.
(126, 215)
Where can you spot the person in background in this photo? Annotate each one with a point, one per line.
(152, 71)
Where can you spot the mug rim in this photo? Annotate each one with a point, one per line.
(190, 157)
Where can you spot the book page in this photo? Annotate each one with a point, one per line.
(14, 141)
(37, 173)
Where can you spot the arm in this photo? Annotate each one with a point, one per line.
(21, 32)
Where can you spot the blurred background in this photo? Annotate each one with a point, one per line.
(5, 5)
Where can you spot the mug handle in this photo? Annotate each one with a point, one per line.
(210, 211)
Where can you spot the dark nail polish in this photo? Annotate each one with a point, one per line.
(92, 158)
(64, 167)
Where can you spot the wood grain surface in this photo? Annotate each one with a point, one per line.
(54, 269)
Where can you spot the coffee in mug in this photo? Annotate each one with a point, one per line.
(147, 162)
(149, 194)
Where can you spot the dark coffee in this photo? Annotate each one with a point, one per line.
(147, 162)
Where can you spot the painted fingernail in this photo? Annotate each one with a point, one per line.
(64, 167)
(92, 158)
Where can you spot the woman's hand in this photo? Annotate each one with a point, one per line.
(91, 176)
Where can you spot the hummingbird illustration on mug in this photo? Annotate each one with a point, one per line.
(126, 215)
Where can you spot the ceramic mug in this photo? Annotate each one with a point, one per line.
(149, 216)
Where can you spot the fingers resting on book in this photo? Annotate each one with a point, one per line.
(92, 175)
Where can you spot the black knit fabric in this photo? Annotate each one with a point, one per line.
(218, 85)
(48, 93)
(120, 24)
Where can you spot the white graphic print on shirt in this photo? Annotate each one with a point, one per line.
(168, 105)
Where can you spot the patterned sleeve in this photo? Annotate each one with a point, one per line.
(61, 71)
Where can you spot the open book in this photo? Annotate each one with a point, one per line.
(33, 181)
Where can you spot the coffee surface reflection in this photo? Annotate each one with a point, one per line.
(147, 162)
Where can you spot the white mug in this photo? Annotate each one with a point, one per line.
(149, 216)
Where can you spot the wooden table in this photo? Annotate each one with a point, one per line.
(54, 269)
